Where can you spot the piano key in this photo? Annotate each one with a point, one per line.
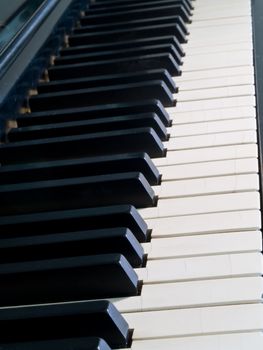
(207, 186)
(86, 28)
(41, 171)
(216, 83)
(87, 343)
(33, 323)
(205, 223)
(211, 115)
(210, 169)
(101, 37)
(122, 65)
(74, 220)
(203, 267)
(227, 12)
(217, 60)
(233, 47)
(203, 204)
(197, 155)
(74, 193)
(234, 341)
(122, 45)
(113, 4)
(106, 80)
(148, 50)
(94, 112)
(95, 144)
(216, 73)
(103, 95)
(216, 103)
(179, 295)
(212, 140)
(78, 243)
(203, 244)
(116, 16)
(213, 127)
(137, 5)
(198, 321)
(90, 126)
(67, 279)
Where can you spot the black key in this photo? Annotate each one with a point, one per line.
(86, 28)
(106, 80)
(138, 5)
(74, 220)
(113, 3)
(128, 34)
(127, 44)
(117, 16)
(122, 65)
(84, 192)
(87, 343)
(97, 144)
(47, 322)
(103, 95)
(107, 55)
(89, 126)
(81, 243)
(93, 112)
(67, 279)
(63, 169)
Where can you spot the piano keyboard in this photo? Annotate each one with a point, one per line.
(130, 203)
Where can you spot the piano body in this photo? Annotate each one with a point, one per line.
(130, 175)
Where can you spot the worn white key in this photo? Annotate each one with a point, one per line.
(217, 60)
(214, 104)
(213, 115)
(211, 140)
(233, 47)
(206, 244)
(198, 321)
(205, 223)
(207, 154)
(207, 186)
(215, 73)
(212, 127)
(233, 341)
(211, 83)
(202, 204)
(180, 294)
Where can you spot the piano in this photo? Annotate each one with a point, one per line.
(130, 178)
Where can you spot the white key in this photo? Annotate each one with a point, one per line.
(180, 294)
(217, 60)
(202, 204)
(201, 50)
(213, 104)
(215, 73)
(207, 186)
(205, 223)
(211, 83)
(207, 154)
(199, 321)
(212, 127)
(206, 244)
(213, 115)
(234, 341)
(211, 140)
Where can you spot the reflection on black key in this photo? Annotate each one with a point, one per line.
(85, 343)
(102, 190)
(94, 112)
(81, 243)
(104, 143)
(74, 220)
(98, 318)
(41, 171)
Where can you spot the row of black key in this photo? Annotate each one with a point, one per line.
(75, 169)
